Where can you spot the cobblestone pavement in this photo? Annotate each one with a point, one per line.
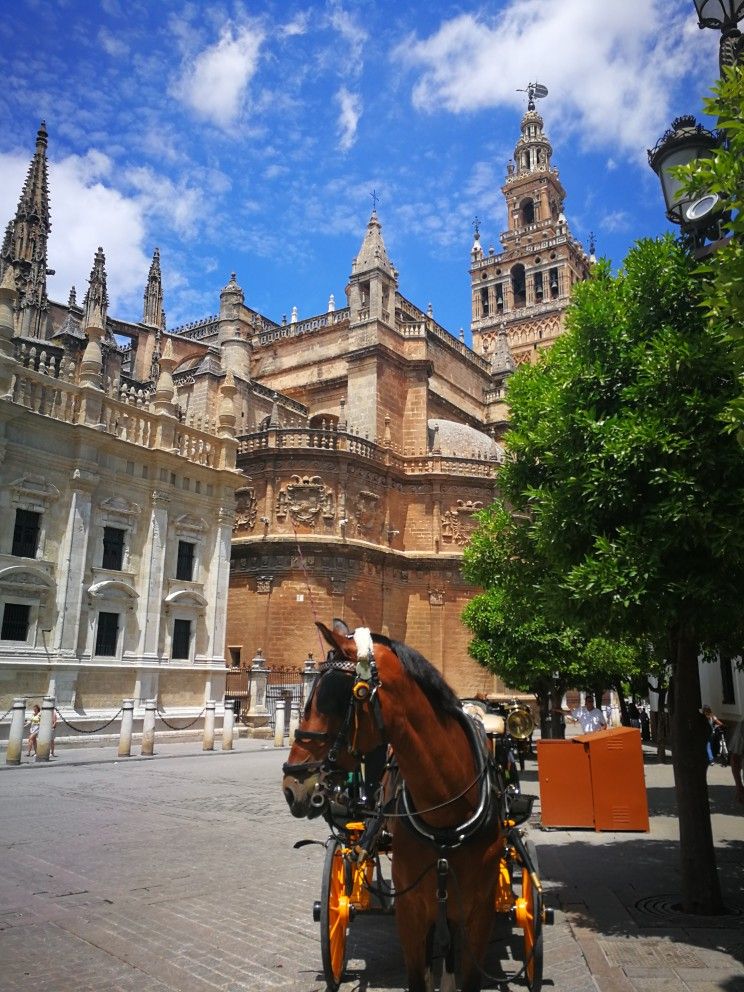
(177, 874)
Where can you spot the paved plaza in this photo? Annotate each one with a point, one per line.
(177, 874)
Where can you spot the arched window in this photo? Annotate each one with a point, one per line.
(519, 285)
(527, 211)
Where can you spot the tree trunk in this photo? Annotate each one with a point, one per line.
(543, 700)
(624, 716)
(701, 890)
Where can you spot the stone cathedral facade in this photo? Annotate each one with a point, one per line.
(175, 499)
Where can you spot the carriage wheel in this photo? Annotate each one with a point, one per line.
(334, 915)
(529, 917)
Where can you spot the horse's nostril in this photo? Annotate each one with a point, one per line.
(289, 796)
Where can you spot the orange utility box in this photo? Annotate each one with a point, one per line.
(593, 780)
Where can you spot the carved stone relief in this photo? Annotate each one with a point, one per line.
(366, 511)
(458, 523)
(305, 499)
(246, 508)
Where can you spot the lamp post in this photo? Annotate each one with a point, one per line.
(723, 15)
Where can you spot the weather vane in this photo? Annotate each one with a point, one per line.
(375, 199)
(476, 226)
(534, 91)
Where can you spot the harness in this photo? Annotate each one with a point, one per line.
(365, 693)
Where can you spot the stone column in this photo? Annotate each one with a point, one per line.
(279, 726)
(208, 744)
(15, 734)
(125, 734)
(150, 603)
(259, 678)
(228, 722)
(73, 563)
(309, 672)
(44, 738)
(148, 728)
(294, 722)
(217, 585)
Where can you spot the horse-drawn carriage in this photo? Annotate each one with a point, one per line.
(404, 777)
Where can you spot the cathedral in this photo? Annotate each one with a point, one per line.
(178, 500)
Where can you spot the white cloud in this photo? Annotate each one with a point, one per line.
(86, 213)
(350, 110)
(215, 83)
(176, 204)
(351, 60)
(617, 220)
(112, 45)
(609, 71)
(298, 25)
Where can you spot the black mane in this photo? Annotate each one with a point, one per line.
(439, 693)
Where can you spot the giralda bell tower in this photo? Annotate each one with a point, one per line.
(525, 288)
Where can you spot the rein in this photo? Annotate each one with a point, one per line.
(365, 692)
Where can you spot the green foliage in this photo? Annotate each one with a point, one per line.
(633, 493)
(723, 272)
(517, 633)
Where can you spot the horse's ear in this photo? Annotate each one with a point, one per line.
(333, 637)
(340, 627)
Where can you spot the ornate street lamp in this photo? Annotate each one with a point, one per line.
(684, 142)
(723, 15)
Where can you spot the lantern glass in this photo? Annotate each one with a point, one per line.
(674, 199)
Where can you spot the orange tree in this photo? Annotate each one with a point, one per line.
(632, 494)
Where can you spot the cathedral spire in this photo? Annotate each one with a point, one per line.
(152, 312)
(95, 304)
(25, 243)
(373, 254)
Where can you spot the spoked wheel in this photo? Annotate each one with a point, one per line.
(335, 912)
(529, 912)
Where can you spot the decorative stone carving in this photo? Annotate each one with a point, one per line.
(190, 527)
(436, 597)
(458, 523)
(33, 492)
(117, 510)
(367, 512)
(263, 584)
(304, 499)
(246, 508)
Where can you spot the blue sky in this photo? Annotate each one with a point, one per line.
(248, 137)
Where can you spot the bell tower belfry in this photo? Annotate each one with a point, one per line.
(526, 287)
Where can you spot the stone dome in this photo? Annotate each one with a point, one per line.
(461, 440)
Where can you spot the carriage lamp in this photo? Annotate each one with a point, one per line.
(723, 16)
(519, 724)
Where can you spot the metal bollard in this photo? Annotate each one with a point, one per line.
(148, 728)
(208, 744)
(125, 734)
(279, 728)
(44, 737)
(294, 722)
(228, 722)
(15, 734)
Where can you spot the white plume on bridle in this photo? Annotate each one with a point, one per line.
(365, 651)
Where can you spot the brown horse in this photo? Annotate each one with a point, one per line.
(448, 826)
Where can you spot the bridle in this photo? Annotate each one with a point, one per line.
(363, 693)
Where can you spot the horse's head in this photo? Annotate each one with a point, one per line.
(337, 727)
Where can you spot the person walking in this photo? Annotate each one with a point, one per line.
(715, 729)
(590, 718)
(33, 730)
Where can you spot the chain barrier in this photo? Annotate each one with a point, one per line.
(84, 730)
(5, 714)
(170, 725)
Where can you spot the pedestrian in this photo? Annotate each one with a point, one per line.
(736, 751)
(33, 731)
(588, 716)
(715, 729)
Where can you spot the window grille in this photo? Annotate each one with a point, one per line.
(15, 622)
(26, 533)
(113, 548)
(185, 563)
(107, 634)
(181, 639)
